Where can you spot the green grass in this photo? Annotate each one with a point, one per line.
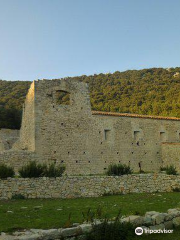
(54, 213)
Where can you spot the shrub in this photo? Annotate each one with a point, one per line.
(90, 215)
(112, 231)
(18, 196)
(54, 171)
(6, 171)
(176, 189)
(118, 170)
(171, 170)
(163, 169)
(34, 170)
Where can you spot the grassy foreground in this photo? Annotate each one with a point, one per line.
(37, 213)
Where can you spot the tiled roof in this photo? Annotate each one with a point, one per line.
(115, 114)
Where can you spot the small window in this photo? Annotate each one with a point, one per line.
(163, 136)
(62, 97)
(107, 134)
(137, 135)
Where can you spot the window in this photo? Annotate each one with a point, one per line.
(62, 97)
(106, 134)
(163, 136)
(137, 135)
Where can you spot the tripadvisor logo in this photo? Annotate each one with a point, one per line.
(139, 231)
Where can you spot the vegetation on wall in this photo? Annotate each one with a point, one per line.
(170, 170)
(36, 170)
(6, 171)
(152, 91)
(118, 170)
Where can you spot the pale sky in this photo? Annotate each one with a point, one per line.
(59, 38)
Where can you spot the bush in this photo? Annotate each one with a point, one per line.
(171, 170)
(6, 171)
(54, 171)
(163, 169)
(118, 170)
(90, 215)
(112, 231)
(176, 189)
(34, 170)
(18, 196)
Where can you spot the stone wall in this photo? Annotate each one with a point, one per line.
(171, 155)
(27, 132)
(7, 138)
(19, 158)
(87, 186)
(87, 142)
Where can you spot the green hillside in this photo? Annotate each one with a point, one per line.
(154, 91)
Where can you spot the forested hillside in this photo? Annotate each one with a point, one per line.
(153, 91)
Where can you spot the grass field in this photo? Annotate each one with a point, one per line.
(37, 213)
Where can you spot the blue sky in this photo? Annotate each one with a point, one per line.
(59, 38)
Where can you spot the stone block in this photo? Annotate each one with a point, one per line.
(168, 225)
(158, 218)
(134, 219)
(86, 227)
(176, 221)
(157, 227)
(70, 232)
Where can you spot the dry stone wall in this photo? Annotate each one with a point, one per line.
(87, 186)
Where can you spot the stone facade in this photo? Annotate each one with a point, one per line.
(7, 138)
(85, 141)
(171, 154)
(87, 186)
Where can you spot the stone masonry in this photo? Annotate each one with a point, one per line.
(85, 141)
(87, 186)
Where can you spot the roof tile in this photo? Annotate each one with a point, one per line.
(115, 114)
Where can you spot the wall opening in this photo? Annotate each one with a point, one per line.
(163, 136)
(62, 97)
(107, 133)
(137, 135)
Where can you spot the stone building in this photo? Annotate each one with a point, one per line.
(58, 126)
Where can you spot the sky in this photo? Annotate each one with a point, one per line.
(59, 38)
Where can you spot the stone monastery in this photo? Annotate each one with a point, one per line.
(58, 126)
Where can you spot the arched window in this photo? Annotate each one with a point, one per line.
(62, 97)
